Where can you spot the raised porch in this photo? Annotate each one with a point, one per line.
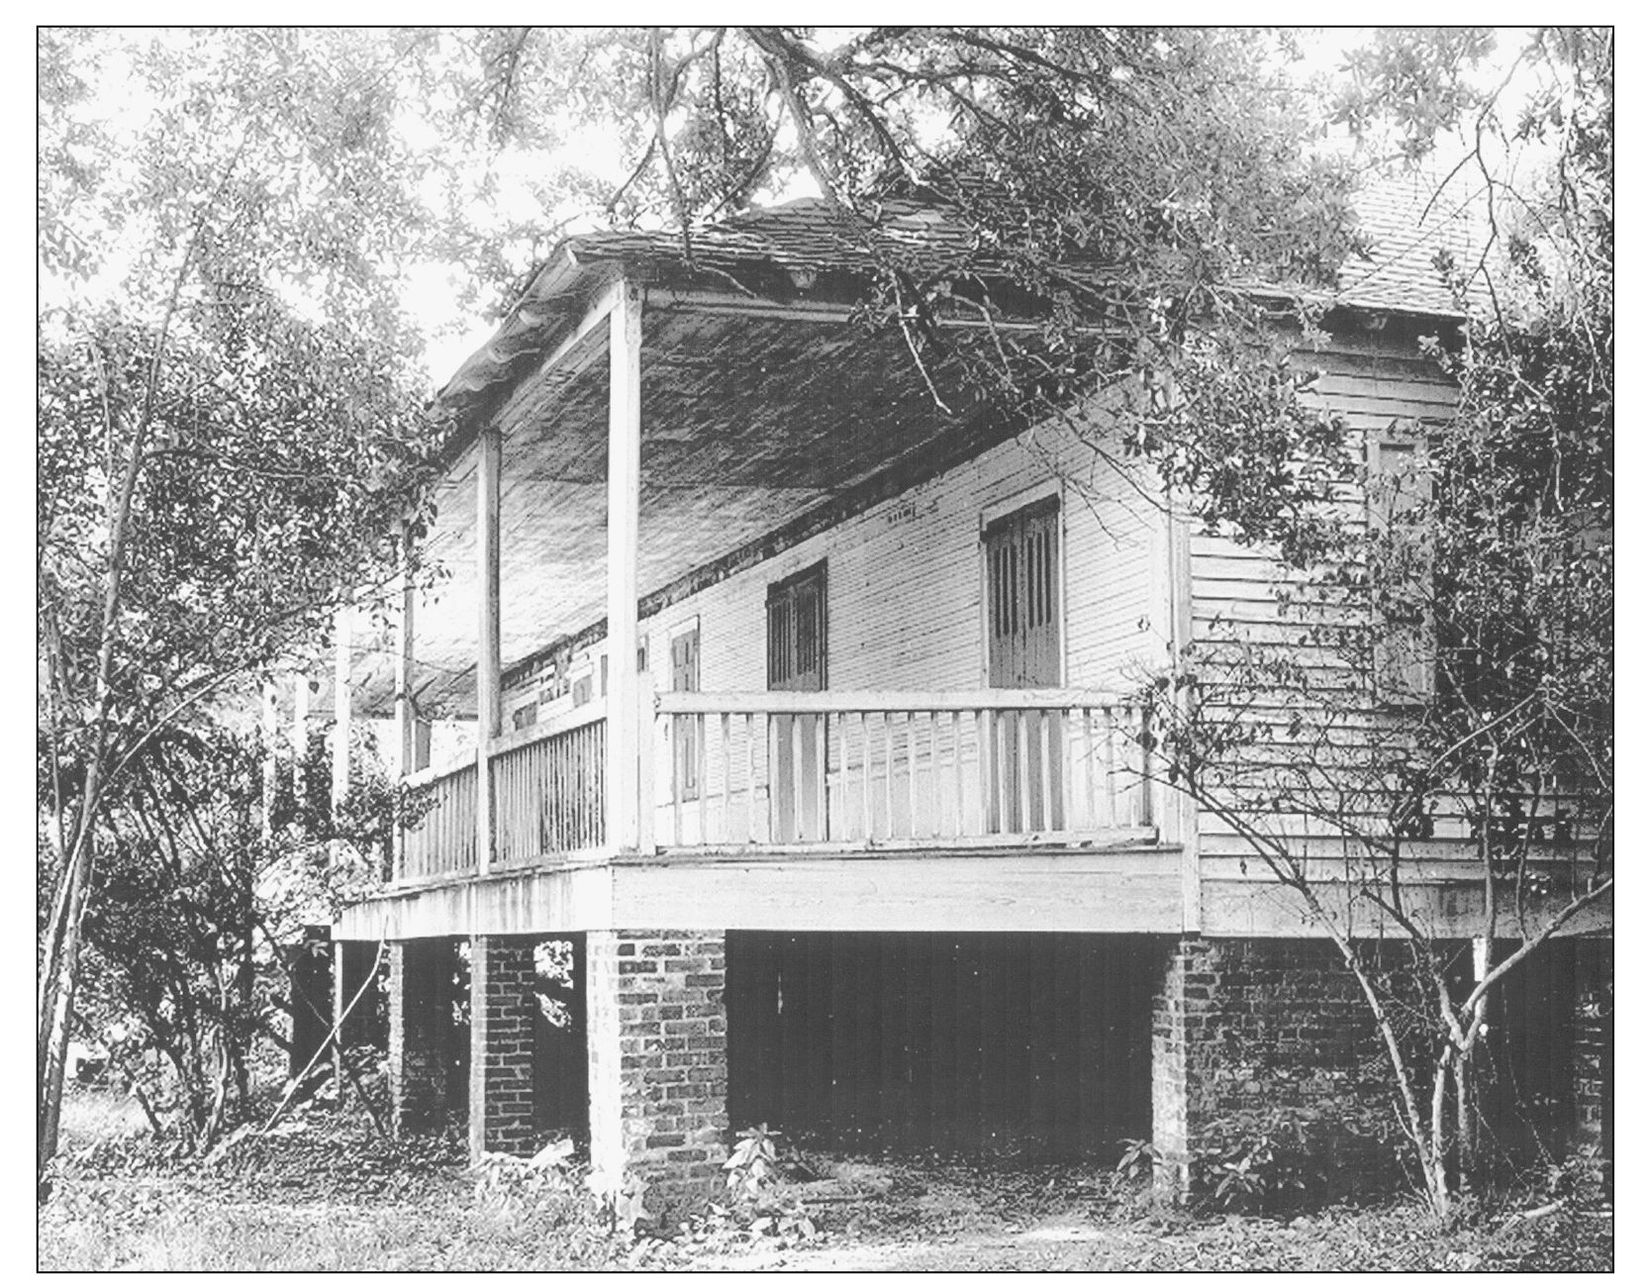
(1000, 808)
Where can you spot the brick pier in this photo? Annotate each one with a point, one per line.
(1256, 1037)
(501, 1044)
(421, 1032)
(658, 1061)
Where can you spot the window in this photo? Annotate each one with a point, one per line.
(796, 663)
(796, 632)
(524, 716)
(1401, 579)
(688, 734)
(584, 690)
(1023, 596)
(1022, 588)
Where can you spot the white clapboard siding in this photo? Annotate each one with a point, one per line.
(1371, 380)
(904, 582)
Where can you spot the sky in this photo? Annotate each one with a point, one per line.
(432, 290)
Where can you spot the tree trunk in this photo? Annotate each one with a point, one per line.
(54, 1055)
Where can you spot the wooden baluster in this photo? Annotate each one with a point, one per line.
(1108, 731)
(935, 802)
(701, 761)
(1067, 820)
(843, 828)
(1090, 811)
(865, 770)
(888, 767)
(1046, 718)
(957, 768)
(1022, 730)
(822, 749)
(677, 784)
(750, 777)
(502, 779)
(982, 738)
(1000, 769)
(726, 830)
(911, 767)
(796, 780)
(770, 770)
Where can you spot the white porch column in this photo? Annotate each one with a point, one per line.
(405, 718)
(340, 791)
(300, 734)
(340, 707)
(271, 724)
(624, 492)
(489, 460)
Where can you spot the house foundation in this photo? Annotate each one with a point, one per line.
(1266, 1045)
(658, 1044)
(502, 1042)
(421, 986)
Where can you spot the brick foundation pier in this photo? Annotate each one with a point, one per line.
(421, 1032)
(658, 1061)
(1254, 1038)
(501, 1045)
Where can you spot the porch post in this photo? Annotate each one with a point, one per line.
(406, 732)
(624, 472)
(271, 716)
(340, 789)
(300, 734)
(489, 457)
(1178, 813)
(340, 707)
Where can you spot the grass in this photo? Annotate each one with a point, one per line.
(324, 1193)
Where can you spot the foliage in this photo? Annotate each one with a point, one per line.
(1139, 1160)
(228, 425)
(755, 1181)
(196, 912)
(1261, 1172)
(622, 1199)
(1442, 659)
(332, 1196)
(1113, 197)
(752, 1168)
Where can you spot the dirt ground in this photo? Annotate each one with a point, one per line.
(324, 1192)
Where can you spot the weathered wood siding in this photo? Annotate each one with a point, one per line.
(1373, 379)
(904, 587)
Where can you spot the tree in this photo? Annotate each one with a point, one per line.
(1124, 189)
(1450, 654)
(228, 423)
(199, 907)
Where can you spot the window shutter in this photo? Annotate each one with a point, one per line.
(1403, 659)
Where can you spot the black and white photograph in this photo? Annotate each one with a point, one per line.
(800, 648)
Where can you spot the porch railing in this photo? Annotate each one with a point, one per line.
(876, 768)
(438, 836)
(547, 800)
(547, 789)
(849, 769)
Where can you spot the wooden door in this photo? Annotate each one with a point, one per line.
(1023, 643)
(796, 663)
(688, 732)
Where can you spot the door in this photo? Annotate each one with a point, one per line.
(796, 663)
(1023, 644)
(688, 731)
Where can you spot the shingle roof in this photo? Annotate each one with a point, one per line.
(1404, 226)
(1399, 217)
(1409, 217)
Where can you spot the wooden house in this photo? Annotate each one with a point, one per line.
(804, 719)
